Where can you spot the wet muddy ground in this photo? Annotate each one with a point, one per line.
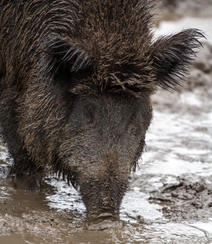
(170, 195)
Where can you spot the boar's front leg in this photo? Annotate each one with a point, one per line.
(26, 174)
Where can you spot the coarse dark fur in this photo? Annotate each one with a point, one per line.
(76, 79)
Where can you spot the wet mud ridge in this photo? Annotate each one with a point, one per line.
(186, 199)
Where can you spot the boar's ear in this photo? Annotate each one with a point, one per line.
(66, 57)
(171, 56)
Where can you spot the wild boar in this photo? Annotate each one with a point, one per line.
(76, 79)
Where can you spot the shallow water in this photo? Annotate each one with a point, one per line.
(169, 201)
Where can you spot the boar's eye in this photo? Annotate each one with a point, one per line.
(89, 112)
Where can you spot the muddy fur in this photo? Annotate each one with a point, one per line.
(76, 79)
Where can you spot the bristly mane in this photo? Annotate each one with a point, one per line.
(120, 32)
(128, 20)
(112, 49)
(113, 37)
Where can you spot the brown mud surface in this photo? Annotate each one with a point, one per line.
(170, 198)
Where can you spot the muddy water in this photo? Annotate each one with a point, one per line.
(170, 198)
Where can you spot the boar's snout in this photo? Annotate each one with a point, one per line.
(102, 193)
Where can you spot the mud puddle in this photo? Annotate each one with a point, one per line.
(170, 198)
